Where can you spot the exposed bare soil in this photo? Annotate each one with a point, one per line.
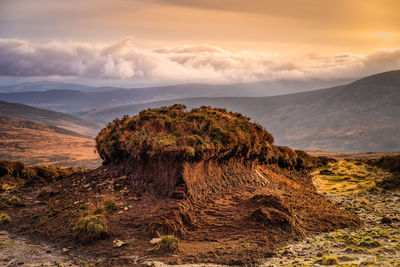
(247, 213)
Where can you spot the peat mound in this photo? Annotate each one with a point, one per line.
(210, 177)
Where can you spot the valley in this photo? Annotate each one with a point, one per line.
(36, 143)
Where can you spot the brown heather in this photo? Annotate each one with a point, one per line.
(200, 134)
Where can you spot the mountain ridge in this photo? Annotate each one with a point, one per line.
(359, 117)
(69, 100)
(53, 118)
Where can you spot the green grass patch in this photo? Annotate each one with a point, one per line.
(91, 227)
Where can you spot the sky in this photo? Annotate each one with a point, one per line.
(224, 41)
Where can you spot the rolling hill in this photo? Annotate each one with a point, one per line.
(358, 117)
(37, 143)
(72, 98)
(42, 86)
(61, 120)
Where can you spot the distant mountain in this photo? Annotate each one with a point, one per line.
(37, 143)
(361, 116)
(72, 99)
(61, 120)
(42, 86)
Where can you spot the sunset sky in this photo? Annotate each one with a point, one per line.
(208, 41)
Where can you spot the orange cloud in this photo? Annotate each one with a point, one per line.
(201, 62)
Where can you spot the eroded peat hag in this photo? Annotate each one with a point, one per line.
(180, 186)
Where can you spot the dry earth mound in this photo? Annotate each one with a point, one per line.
(210, 183)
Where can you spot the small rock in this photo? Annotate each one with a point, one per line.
(126, 208)
(118, 243)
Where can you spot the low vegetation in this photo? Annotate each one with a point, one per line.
(167, 243)
(201, 133)
(327, 260)
(4, 218)
(349, 176)
(90, 228)
(16, 173)
(110, 205)
(391, 164)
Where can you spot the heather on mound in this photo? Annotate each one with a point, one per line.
(211, 181)
(200, 134)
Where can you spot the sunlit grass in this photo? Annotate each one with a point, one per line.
(348, 177)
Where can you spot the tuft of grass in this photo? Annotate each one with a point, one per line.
(91, 227)
(53, 211)
(4, 218)
(370, 244)
(110, 205)
(99, 211)
(327, 260)
(16, 202)
(167, 243)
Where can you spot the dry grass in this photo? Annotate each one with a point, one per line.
(166, 243)
(4, 218)
(44, 145)
(91, 228)
(200, 133)
(348, 177)
(14, 173)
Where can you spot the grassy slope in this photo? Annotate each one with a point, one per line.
(49, 117)
(35, 143)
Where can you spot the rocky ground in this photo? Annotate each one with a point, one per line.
(18, 251)
(377, 243)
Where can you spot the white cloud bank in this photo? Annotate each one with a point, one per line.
(122, 60)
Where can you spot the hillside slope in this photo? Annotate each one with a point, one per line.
(70, 98)
(37, 143)
(361, 116)
(42, 86)
(68, 122)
